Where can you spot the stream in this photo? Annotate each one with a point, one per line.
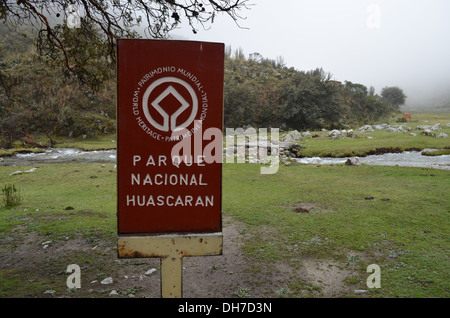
(67, 155)
(404, 159)
(59, 155)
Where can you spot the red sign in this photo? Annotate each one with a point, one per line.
(170, 118)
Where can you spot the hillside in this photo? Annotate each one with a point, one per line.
(39, 96)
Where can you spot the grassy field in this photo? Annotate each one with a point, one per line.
(340, 218)
(361, 145)
(302, 212)
(404, 228)
(101, 142)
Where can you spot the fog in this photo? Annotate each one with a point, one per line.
(402, 43)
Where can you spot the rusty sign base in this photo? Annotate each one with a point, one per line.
(171, 249)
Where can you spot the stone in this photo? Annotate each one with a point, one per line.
(335, 133)
(107, 281)
(150, 271)
(392, 129)
(366, 128)
(292, 136)
(428, 132)
(351, 133)
(306, 134)
(442, 135)
(295, 147)
(26, 171)
(398, 128)
(293, 151)
(353, 161)
(436, 127)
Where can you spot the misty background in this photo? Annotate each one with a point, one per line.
(382, 43)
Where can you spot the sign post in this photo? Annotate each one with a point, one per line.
(170, 119)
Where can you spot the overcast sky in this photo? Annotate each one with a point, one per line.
(377, 43)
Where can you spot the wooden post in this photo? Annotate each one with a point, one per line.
(171, 249)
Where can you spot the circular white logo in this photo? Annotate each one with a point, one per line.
(169, 122)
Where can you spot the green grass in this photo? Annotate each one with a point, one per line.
(12, 151)
(360, 146)
(407, 235)
(404, 229)
(101, 142)
(438, 152)
(50, 192)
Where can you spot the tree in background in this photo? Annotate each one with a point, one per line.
(361, 105)
(265, 93)
(101, 22)
(67, 88)
(310, 100)
(37, 98)
(393, 96)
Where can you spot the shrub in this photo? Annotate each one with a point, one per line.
(11, 195)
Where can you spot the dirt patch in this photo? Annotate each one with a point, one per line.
(37, 264)
(329, 276)
(306, 207)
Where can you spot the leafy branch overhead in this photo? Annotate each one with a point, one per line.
(100, 22)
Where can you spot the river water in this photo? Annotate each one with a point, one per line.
(404, 159)
(60, 155)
